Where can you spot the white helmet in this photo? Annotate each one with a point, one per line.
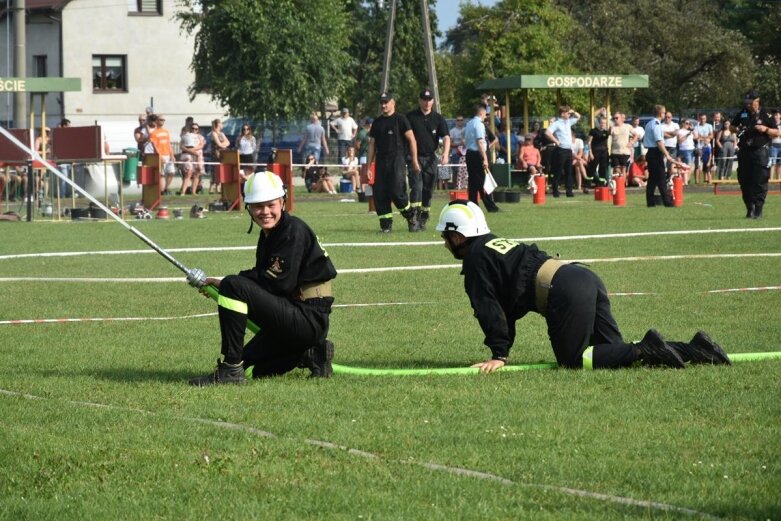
(262, 187)
(464, 217)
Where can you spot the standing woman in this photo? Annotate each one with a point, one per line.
(725, 145)
(247, 150)
(219, 144)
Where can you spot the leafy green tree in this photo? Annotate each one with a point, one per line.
(278, 59)
(690, 62)
(511, 38)
(408, 70)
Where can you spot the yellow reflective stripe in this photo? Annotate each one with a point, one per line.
(248, 188)
(234, 305)
(405, 208)
(588, 358)
(415, 205)
(386, 216)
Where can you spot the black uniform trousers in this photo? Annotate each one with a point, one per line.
(657, 178)
(474, 167)
(390, 185)
(562, 170)
(421, 184)
(753, 177)
(287, 327)
(578, 315)
(597, 168)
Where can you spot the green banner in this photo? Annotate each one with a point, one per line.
(40, 84)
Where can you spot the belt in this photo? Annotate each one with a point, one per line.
(543, 283)
(316, 290)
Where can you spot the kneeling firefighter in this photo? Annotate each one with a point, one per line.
(287, 294)
(505, 279)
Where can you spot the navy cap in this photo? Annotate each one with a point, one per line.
(751, 95)
(426, 94)
(386, 96)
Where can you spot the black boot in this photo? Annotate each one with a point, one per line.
(653, 351)
(411, 214)
(423, 219)
(318, 360)
(701, 350)
(224, 374)
(386, 225)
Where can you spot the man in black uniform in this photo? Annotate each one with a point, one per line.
(428, 128)
(386, 145)
(505, 279)
(287, 294)
(756, 129)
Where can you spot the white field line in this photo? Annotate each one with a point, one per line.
(400, 268)
(457, 471)
(383, 244)
(17, 322)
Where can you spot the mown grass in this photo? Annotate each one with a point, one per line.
(98, 423)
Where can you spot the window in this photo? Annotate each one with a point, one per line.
(39, 66)
(145, 7)
(109, 73)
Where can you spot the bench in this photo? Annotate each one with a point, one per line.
(718, 182)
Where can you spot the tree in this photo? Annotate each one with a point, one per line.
(280, 59)
(689, 64)
(408, 71)
(513, 37)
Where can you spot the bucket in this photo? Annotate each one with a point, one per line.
(602, 193)
(345, 186)
(162, 213)
(459, 194)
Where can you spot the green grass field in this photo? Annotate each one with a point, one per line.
(97, 422)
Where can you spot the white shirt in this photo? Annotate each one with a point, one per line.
(671, 142)
(577, 146)
(639, 135)
(345, 128)
(456, 136)
(688, 143)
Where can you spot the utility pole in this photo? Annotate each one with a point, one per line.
(386, 60)
(429, 46)
(20, 63)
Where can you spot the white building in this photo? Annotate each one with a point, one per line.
(129, 55)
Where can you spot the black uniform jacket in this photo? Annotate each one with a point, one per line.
(499, 279)
(428, 129)
(289, 258)
(388, 133)
(749, 138)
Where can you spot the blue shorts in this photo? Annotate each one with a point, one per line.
(687, 156)
(705, 154)
(775, 154)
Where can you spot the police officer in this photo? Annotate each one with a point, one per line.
(287, 294)
(386, 144)
(505, 279)
(653, 141)
(756, 129)
(477, 143)
(428, 127)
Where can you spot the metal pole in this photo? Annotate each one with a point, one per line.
(429, 46)
(386, 60)
(20, 63)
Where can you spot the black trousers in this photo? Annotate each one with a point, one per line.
(474, 167)
(287, 327)
(390, 185)
(578, 315)
(421, 184)
(562, 170)
(657, 178)
(753, 177)
(597, 168)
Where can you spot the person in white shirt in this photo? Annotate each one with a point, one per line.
(345, 128)
(350, 169)
(670, 131)
(686, 139)
(703, 154)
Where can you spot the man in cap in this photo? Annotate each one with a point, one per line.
(345, 128)
(756, 129)
(387, 138)
(287, 294)
(429, 127)
(505, 279)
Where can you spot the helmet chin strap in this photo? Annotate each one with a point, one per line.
(251, 219)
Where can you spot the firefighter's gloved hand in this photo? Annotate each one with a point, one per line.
(196, 277)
